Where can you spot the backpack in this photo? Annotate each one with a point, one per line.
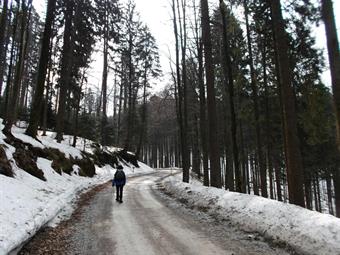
(119, 175)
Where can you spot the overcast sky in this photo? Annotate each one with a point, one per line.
(156, 14)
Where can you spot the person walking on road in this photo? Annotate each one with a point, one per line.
(119, 181)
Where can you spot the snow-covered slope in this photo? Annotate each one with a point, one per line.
(27, 203)
(308, 232)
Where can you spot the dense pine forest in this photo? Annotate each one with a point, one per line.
(244, 109)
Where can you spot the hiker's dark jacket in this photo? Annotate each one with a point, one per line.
(119, 178)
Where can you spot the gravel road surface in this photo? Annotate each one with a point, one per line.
(150, 222)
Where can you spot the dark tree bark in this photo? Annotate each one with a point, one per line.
(277, 170)
(268, 128)
(229, 170)
(336, 181)
(333, 56)
(77, 110)
(129, 96)
(196, 161)
(180, 96)
(308, 191)
(4, 28)
(14, 95)
(104, 80)
(334, 63)
(228, 75)
(114, 119)
(203, 115)
(11, 63)
(43, 63)
(121, 89)
(261, 159)
(254, 173)
(215, 169)
(293, 153)
(48, 97)
(66, 61)
(329, 194)
(49, 90)
(183, 33)
(143, 117)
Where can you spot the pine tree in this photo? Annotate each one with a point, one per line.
(43, 62)
(292, 146)
(215, 171)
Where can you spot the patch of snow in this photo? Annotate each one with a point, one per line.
(68, 150)
(27, 203)
(20, 134)
(306, 231)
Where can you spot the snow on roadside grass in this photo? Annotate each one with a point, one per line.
(27, 203)
(306, 231)
(47, 141)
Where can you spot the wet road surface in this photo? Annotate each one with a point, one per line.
(150, 222)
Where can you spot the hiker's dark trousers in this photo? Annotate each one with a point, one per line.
(119, 193)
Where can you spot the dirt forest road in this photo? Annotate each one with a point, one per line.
(150, 222)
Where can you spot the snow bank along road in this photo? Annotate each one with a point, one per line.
(149, 222)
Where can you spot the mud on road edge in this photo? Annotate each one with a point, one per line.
(55, 240)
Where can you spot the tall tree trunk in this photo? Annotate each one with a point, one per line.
(66, 61)
(129, 96)
(329, 194)
(277, 170)
(49, 90)
(48, 96)
(4, 28)
(10, 67)
(43, 62)
(268, 127)
(76, 117)
(203, 117)
(121, 88)
(13, 99)
(215, 169)
(293, 153)
(229, 168)
(143, 117)
(104, 81)
(243, 159)
(104, 96)
(180, 111)
(334, 62)
(317, 193)
(196, 161)
(333, 56)
(261, 159)
(24, 89)
(228, 74)
(3, 25)
(114, 119)
(255, 174)
(185, 151)
(336, 181)
(23, 69)
(308, 191)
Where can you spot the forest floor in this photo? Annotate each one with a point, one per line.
(148, 222)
